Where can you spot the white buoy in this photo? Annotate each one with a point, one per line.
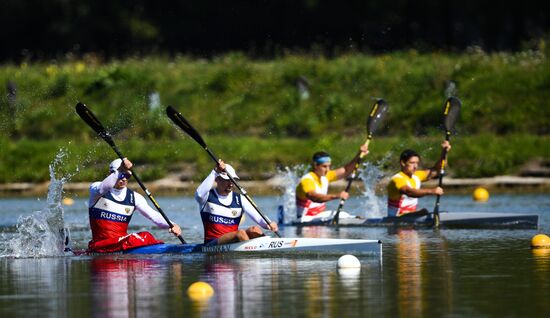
(348, 261)
(350, 275)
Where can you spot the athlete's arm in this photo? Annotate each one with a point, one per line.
(97, 189)
(307, 188)
(108, 183)
(318, 197)
(346, 170)
(148, 212)
(418, 193)
(434, 171)
(252, 213)
(201, 195)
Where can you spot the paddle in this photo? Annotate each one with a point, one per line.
(376, 115)
(93, 122)
(181, 122)
(451, 111)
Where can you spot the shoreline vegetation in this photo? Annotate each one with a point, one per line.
(274, 186)
(263, 115)
(255, 158)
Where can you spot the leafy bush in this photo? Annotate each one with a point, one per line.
(259, 118)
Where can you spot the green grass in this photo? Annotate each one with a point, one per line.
(258, 158)
(253, 115)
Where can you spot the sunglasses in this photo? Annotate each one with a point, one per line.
(122, 175)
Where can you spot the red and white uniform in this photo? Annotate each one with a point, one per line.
(110, 211)
(222, 214)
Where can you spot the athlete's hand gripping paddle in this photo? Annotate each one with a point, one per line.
(182, 123)
(451, 111)
(376, 115)
(96, 125)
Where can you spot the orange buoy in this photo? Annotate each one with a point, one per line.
(480, 194)
(200, 291)
(540, 241)
(67, 201)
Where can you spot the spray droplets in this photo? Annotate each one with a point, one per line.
(43, 232)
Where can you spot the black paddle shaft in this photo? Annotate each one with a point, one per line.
(96, 125)
(181, 122)
(376, 115)
(441, 174)
(451, 112)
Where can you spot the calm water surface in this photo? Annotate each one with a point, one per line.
(451, 273)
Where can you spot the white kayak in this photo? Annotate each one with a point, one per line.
(266, 244)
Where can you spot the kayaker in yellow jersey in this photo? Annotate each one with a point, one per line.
(404, 187)
(312, 191)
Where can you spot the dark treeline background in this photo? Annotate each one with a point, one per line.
(43, 29)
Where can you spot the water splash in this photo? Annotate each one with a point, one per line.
(154, 101)
(450, 89)
(373, 205)
(371, 174)
(42, 233)
(288, 178)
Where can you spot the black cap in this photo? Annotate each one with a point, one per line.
(408, 154)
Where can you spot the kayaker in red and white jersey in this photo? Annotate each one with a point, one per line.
(312, 191)
(404, 187)
(221, 209)
(111, 206)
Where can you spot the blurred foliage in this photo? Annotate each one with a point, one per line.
(27, 160)
(258, 118)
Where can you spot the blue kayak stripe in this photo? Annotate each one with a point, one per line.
(165, 249)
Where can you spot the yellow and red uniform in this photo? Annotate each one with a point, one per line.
(312, 182)
(399, 203)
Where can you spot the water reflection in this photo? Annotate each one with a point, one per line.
(349, 277)
(541, 253)
(409, 272)
(223, 275)
(35, 286)
(541, 271)
(252, 287)
(315, 231)
(422, 258)
(451, 273)
(245, 286)
(542, 259)
(124, 287)
(242, 284)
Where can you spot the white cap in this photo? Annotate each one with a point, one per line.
(115, 165)
(229, 170)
